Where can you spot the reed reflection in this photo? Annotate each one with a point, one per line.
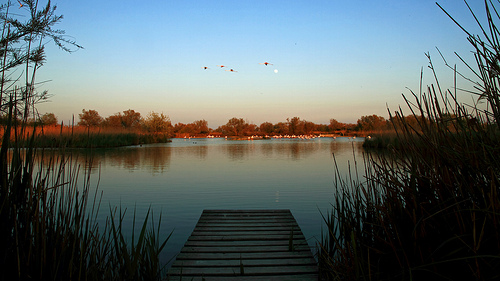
(155, 160)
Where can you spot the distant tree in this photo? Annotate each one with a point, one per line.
(113, 121)
(308, 127)
(371, 122)
(157, 123)
(178, 127)
(235, 126)
(281, 128)
(323, 128)
(249, 129)
(335, 125)
(348, 127)
(131, 119)
(266, 128)
(201, 127)
(89, 118)
(189, 129)
(294, 126)
(48, 119)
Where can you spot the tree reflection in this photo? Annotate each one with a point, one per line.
(289, 149)
(154, 159)
(237, 152)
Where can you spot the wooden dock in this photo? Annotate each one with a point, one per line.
(245, 245)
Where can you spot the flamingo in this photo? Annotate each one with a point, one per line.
(221, 66)
(20, 4)
(205, 67)
(231, 70)
(265, 63)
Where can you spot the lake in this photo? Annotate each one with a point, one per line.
(182, 178)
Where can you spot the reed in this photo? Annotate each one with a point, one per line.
(428, 210)
(85, 137)
(48, 210)
(382, 140)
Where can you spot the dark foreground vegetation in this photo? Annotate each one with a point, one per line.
(48, 216)
(427, 208)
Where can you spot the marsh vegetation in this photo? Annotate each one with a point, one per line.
(428, 208)
(48, 226)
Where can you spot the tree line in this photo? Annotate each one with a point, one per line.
(155, 122)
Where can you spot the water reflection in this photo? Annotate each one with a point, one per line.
(156, 158)
(237, 152)
(182, 178)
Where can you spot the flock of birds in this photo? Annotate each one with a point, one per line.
(232, 70)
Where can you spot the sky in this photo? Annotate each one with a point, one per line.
(330, 59)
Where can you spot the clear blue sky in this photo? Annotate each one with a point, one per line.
(334, 59)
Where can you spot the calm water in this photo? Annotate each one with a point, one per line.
(181, 178)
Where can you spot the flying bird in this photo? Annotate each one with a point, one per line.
(231, 70)
(205, 67)
(221, 66)
(265, 63)
(20, 4)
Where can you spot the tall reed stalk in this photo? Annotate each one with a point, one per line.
(48, 218)
(430, 209)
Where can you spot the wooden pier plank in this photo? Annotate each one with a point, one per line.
(303, 277)
(245, 256)
(248, 237)
(252, 262)
(247, 270)
(245, 245)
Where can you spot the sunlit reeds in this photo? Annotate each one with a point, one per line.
(85, 137)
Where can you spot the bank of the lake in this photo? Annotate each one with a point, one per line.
(78, 137)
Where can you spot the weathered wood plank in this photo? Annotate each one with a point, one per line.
(255, 223)
(242, 249)
(245, 245)
(207, 216)
(253, 262)
(244, 270)
(206, 230)
(235, 243)
(238, 256)
(246, 237)
(245, 211)
(263, 216)
(302, 277)
(229, 231)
